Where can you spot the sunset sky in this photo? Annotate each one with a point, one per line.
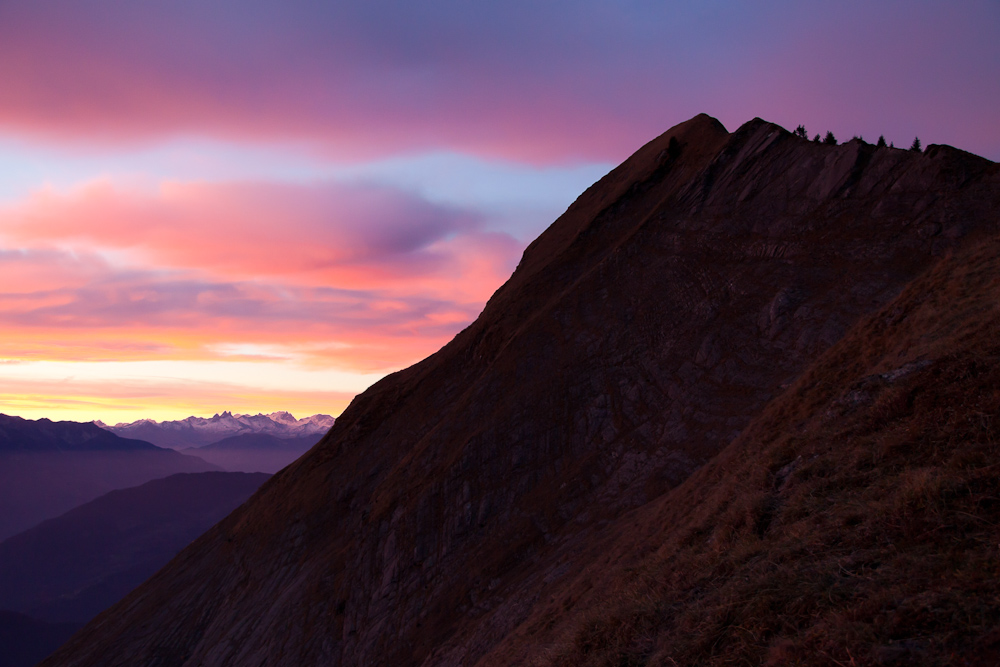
(261, 205)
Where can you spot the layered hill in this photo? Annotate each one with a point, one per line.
(448, 516)
(47, 468)
(69, 568)
(254, 452)
(202, 431)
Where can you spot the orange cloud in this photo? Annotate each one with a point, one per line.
(356, 277)
(116, 400)
(356, 237)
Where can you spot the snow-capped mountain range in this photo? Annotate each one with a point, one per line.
(200, 431)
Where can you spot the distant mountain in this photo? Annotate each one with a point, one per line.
(254, 452)
(47, 468)
(201, 431)
(43, 435)
(72, 567)
(24, 641)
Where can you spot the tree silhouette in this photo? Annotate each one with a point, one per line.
(915, 146)
(881, 142)
(800, 131)
(830, 139)
(816, 138)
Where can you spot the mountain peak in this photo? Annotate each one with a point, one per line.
(696, 142)
(200, 431)
(282, 417)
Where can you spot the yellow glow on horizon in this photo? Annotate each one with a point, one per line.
(126, 300)
(165, 390)
(90, 408)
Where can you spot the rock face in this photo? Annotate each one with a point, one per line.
(854, 521)
(639, 336)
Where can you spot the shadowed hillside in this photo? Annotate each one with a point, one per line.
(855, 520)
(47, 468)
(74, 566)
(449, 508)
(203, 431)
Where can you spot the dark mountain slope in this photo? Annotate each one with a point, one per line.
(47, 468)
(74, 566)
(854, 521)
(638, 336)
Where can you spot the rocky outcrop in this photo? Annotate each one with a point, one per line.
(639, 335)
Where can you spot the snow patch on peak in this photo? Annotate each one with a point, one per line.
(198, 431)
(283, 417)
(140, 422)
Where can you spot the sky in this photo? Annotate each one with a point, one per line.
(253, 206)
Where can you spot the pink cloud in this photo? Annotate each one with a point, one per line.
(359, 277)
(549, 81)
(118, 400)
(342, 79)
(355, 237)
(119, 315)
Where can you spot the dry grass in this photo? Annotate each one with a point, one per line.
(856, 522)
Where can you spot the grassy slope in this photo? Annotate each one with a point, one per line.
(854, 522)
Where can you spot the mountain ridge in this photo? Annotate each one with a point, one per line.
(201, 431)
(46, 571)
(24, 435)
(640, 334)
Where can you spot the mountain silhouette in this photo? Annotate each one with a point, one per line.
(69, 568)
(47, 468)
(515, 497)
(202, 431)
